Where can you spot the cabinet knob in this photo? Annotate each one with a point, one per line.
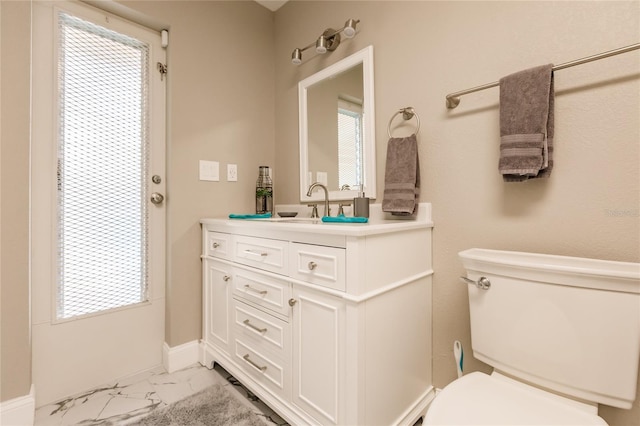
(226, 278)
(312, 265)
(292, 302)
(216, 245)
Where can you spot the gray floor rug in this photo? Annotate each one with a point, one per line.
(214, 406)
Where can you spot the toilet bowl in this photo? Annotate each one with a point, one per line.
(562, 334)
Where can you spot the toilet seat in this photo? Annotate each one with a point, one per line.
(480, 399)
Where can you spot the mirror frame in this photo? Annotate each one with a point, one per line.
(365, 57)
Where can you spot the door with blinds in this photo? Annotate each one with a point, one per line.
(97, 198)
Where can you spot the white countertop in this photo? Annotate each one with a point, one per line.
(379, 222)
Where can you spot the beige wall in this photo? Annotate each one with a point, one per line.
(15, 346)
(221, 96)
(424, 50)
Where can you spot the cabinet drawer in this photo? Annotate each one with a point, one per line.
(218, 245)
(265, 331)
(267, 292)
(268, 370)
(319, 265)
(270, 255)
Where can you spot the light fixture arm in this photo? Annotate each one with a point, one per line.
(308, 46)
(351, 23)
(329, 40)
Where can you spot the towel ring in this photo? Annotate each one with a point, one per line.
(407, 114)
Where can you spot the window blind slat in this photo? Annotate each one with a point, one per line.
(102, 169)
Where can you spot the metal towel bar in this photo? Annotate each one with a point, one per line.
(453, 99)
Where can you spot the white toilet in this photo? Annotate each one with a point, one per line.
(562, 333)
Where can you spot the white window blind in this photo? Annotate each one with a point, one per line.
(102, 168)
(349, 144)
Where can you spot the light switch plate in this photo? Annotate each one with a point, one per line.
(322, 178)
(232, 172)
(209, 170)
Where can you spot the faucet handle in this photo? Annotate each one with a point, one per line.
(314, 212)
(341, 207)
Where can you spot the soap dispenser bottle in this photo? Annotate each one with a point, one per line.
(264, 191)
(361, 205)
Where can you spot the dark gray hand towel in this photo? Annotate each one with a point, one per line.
(402, 176)
(526, 124)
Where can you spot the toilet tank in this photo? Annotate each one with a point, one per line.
(571, 325)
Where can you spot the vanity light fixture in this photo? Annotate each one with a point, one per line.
(328, 40)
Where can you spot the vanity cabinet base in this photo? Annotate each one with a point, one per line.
(328, 337)
(289, 411)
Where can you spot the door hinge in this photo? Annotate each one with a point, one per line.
(162, 68)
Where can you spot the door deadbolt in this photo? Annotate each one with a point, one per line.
(157, 198)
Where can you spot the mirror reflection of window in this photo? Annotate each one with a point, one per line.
(350, 167)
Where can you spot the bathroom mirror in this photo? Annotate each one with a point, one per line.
(336, 124)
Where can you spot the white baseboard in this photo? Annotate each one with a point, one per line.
(19, 411)
(180, 356)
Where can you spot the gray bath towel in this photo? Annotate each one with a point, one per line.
(402, 176)
(526, 124)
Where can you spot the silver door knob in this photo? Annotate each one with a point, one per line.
(157, 198)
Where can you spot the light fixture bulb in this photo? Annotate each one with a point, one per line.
(296, 56)
(321, 44)
(349, 30)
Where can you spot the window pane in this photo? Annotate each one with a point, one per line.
(102, 157)
(349, 147)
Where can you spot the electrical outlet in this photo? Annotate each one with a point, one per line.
(232, 172)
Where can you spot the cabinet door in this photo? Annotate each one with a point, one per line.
(217, 297)
(318, 355)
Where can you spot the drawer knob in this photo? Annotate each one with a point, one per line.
(261, 368)
(312, 265)
(292, 302)
(226, 278)
(215, 245)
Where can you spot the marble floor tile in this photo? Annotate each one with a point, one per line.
(123, 401)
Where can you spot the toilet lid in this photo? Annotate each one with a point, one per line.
(480, 399)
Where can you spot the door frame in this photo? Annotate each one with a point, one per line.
(62, 363)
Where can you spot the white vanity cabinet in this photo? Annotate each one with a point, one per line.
(326, 323)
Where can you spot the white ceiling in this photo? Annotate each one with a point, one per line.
(272, 5)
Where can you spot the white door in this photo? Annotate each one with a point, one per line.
(98, 159)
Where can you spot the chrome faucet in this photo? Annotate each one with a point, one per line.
(327, 209)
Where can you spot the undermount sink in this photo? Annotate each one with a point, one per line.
(309, 220)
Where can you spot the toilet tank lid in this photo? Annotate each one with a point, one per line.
(480, 399)
(565, 270)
